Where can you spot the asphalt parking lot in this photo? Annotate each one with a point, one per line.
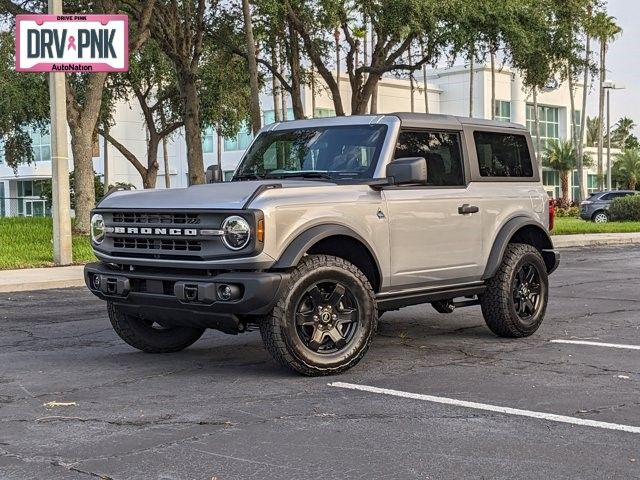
(223, 409)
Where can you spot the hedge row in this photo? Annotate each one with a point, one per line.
(626, 208)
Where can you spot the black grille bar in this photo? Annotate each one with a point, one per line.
(157, 244)
(156, 218)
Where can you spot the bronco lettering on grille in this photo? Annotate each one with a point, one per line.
(188, 232)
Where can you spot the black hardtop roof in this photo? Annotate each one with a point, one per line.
(418, 120)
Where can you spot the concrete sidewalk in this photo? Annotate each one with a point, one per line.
(65, 277)
(41, 278)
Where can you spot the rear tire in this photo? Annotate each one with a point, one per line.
(145, 335)
(515, 300)
(325, 320)
(600, 217)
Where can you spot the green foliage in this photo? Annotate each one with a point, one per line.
(571, 226)
(27, 242)
(626, 168)
(626, 208)
(570, 212)
(97, 183)
(560, 155)
(24, 104)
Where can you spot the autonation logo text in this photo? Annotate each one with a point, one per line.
(72, 43)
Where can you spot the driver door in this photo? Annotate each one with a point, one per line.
(435, 230)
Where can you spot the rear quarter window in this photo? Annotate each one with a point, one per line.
(503, 155)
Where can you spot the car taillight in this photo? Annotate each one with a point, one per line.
(552, 214)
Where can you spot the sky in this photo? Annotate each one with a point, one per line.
(623, 65)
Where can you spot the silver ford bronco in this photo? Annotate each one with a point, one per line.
(327, 224)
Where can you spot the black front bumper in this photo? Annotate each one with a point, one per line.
(187, 300)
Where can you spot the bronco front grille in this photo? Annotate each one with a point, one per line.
(157, 218)
(157, 244)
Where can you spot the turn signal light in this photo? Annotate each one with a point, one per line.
(260, 231)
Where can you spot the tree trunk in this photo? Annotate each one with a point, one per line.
(219, 154)
(256, 120)
(574, 133)
(336, 35)
(411, 82)
(83, 185)
(583, 120)
(150, 177)
(472, 55)
(426, 85)
(536, 119)
(296, 74)
(275, 84)
(601, 115)
(493, 83)
(313, 92)
(564, 185)
(192, 134)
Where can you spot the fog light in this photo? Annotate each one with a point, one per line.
(225, 292)
(96, 281)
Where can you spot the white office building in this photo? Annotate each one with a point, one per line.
(447, 92)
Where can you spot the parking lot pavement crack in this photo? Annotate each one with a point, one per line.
(51, 461)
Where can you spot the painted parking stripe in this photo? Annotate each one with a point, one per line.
(598, 344)
(489, 408)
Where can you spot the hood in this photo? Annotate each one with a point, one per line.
(224, 195)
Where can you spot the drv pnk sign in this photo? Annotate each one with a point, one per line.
(72, 43)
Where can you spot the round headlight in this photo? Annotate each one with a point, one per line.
(97, 228)
(237, 232)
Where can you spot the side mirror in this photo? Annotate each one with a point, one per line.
(407, 171)
(212, 175)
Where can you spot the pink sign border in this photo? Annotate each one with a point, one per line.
(97, 66)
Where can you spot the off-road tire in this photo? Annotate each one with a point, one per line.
(134, 331)
(497, 302)
(278, 330)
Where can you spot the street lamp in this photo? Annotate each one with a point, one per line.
(609, 85)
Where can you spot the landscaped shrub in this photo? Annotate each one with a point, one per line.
(567, 212)
(626, 208)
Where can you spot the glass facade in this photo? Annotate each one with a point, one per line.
(549, 118)
(30, 201)
(551, 180)
(240, 142)
(592, 183)
(324, 113)
(502, 111)
(269, 116)
(208, 140)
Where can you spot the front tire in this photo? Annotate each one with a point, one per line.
(326, 319)
(149, 337)
(515, 300)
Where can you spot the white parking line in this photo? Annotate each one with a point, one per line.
(490, 408)
(598, 344)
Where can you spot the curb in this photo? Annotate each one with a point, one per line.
(41, 278)
(595, 239)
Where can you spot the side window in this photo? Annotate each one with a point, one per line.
(441, 151)
(503, 155)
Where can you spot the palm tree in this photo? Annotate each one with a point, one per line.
(561, 156)
(622, 132)
(627, 168)
(593, 128)
(606, 30)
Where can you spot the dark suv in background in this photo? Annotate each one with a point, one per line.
(596, 207)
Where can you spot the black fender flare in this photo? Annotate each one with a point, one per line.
(506, 233)
(303, 242)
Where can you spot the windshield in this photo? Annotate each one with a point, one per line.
(339, 152)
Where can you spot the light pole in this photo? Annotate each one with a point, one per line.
(608, 86)
(62, 251)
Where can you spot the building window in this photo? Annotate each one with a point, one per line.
(208, 140)
(575, 185)
(503, 155)
(41, 146)
(240, 142)
(549, 124)
(551, 180)
(592, 183)
(269, 116)
(30, 201)
(324, 112)
(228, 175)
(502, 111)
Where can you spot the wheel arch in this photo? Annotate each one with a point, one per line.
(336, 240)
(521, 230)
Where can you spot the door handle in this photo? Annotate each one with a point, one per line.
(466, 209)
